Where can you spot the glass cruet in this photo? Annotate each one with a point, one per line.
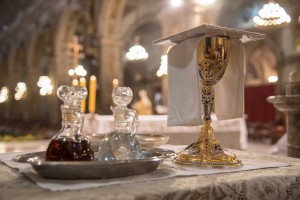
(121, 143)
(70, 144)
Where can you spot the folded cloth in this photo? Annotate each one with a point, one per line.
(184, 92)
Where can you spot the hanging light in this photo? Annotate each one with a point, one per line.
(271, 15)
(3, 94)
(137, 51)
(45, 85)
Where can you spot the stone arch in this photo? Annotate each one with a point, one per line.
(118, 23)
(149, 26)
(263, 60)
(142, 74)
(3, 83)
(39, 62)
(74, 16)
(63, 34)
(3, 69)
(109, 17)
(33, 55)
(85, 30)
(17, 73)
(11, 81)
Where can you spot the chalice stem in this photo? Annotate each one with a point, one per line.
(207, 101)
(206, 133)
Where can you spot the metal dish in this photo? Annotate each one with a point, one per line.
(147, 140)
(95, 169)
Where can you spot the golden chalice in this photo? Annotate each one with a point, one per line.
(212, 60)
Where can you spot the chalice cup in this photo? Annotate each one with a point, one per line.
(212, 60)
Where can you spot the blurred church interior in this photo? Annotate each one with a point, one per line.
(45, 44)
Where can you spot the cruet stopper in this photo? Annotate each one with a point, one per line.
(70, 143)
(121, 143)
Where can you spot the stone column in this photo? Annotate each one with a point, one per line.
(290, 104)
(16, 74)
(293, 119)
(111, 55)
(57, 78)
(33, 96)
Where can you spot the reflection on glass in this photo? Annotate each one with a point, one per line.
(121, 143)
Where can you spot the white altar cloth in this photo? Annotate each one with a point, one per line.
(230, 133)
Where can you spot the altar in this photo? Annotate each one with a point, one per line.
(277, 177)
(230, 133)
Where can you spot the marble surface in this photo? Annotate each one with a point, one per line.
(23, 146)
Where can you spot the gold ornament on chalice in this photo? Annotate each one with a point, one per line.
(212, 60)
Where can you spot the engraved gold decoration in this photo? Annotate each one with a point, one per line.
(212, 60)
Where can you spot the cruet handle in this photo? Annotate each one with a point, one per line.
(79, 123)
(135, 120)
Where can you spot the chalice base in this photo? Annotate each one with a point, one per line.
(207, 152)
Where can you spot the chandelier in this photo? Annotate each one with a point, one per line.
(137, 51)
(271, 15)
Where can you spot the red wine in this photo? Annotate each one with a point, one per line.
(68, 149)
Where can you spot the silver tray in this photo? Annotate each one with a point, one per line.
(94, 169)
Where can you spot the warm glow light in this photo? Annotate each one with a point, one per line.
(75, 82)
(79, 71)
(3, 94)
(270, 15)
(204, 2)
(20, 89)
(115, 83)
(163, 68)
(71, 72)
(45, 85)
(176, 3)
(272, 79)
